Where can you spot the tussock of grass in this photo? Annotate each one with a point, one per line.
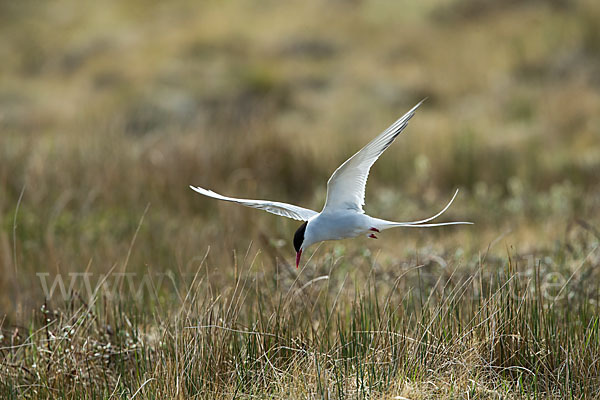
(496, 331)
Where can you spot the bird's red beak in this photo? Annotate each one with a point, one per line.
(298, 255)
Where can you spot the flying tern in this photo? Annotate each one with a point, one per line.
(342, 216)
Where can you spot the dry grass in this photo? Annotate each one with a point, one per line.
(109, 112)
(480, 330)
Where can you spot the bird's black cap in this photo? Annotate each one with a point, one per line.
(299, 237)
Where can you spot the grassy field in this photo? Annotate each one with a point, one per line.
(117, 281)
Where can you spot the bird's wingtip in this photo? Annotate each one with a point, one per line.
(418, 105)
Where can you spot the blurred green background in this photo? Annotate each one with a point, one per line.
(110, 107)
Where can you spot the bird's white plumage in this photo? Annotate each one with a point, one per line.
(421, 222)
(346, 187)
(343, 215)
(274, 207)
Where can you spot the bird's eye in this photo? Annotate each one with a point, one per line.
(299, 236)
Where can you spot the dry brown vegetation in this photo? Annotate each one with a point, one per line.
(108, 111)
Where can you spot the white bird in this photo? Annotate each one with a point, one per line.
(342, 216)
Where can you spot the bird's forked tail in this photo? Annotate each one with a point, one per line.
(382, 224)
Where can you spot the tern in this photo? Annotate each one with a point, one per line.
(342, 216)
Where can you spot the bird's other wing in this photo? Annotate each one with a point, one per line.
(274, 207)
(346, 187)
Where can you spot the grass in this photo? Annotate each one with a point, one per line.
(481, 330)
(109, 112)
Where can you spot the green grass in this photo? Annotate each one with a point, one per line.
(108, 112)
(486, 330)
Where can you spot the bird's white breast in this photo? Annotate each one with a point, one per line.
(336, 225)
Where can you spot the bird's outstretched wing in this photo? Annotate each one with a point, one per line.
(346, 187)
(274, 207)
